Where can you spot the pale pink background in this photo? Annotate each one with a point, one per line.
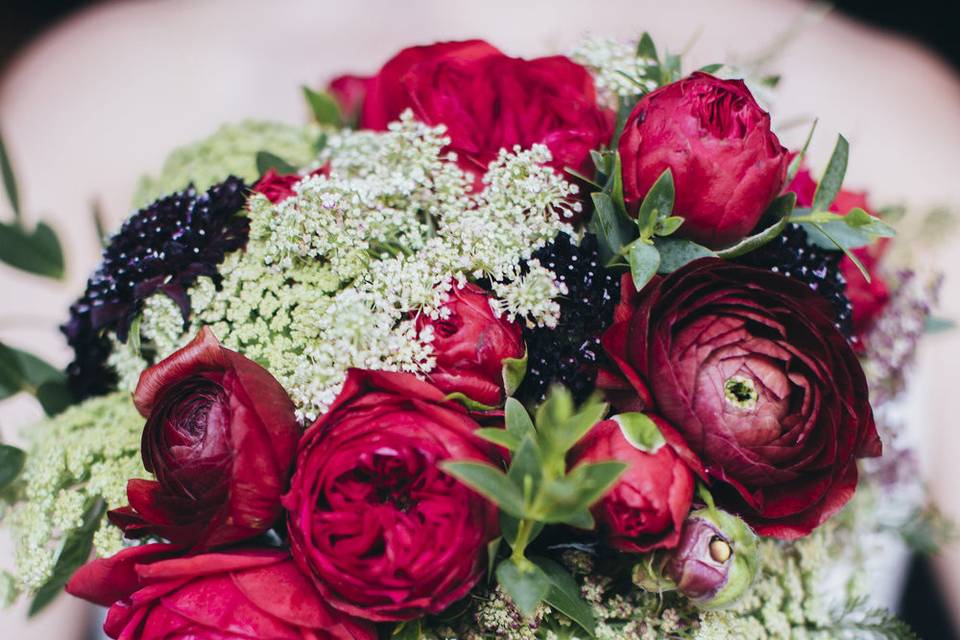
(103, 97)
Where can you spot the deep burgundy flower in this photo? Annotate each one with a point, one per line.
(154, 594)
(727, 164)
(646, 508)
(470, 344)
(220, 438)
(749, 368)
(490, 101)
(385, 534)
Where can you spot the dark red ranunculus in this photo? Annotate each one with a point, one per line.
(277, 187)
(490, 101)
(646, 508)
(749, 368)
(727, 164)
(220, 438)
(470, 345)
(385, 534)
(869, 299)
(155, 594)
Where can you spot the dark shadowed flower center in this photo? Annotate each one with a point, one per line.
(392, 477)
(740, 392)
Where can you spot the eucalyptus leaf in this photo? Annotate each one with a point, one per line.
(582, 519)
(526, 470)
(754, 242)
(644, 262)
(468, 402)
(323, 107)
(74, 553)
(267, 161)
(711, 68)
(493, 548)
(668, 226)
(646, 49)
(658, 203)
(612, 229)
(579, 176)
(509, 526)
(526, 586)
(640, 431)
(516, 418)
(9, 180)
(676, 252)
(936, 324)
(556, 409)
(489, 482)
(565, 498)
(514, 370)
(11, 372)
(55, 397)
(797, 161)
(497, 436)
(564, 595)
(840, 245)
(860, 219)
(409, 630)
(832, 178)
(38, 252)
(614, 186)
(565, 434)
(11, 463)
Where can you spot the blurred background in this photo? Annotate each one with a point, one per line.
(94, 94)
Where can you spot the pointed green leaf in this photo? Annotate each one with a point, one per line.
(509, 526)
(564, 595)
(566, 498)
(614, 186)
(612, 229)
(937, 324)
(797, 161)
(11, 463)
(490, 482)
(38, 252)
(526, 586)
(514, 370)
(468, 402)
(580, 176)
(55, 397)
(11, 372)
(640, 431)
(526, 469)
(832, 178)
(493, 548)
(267, 161)
(565, 434)
(675, 253)
(323, 107)
(658, 203)
(96, 214)
(846, 251)
(711, 68)
(501, 437)
(582, 519)
(860, 219)
(9, 180)
(644, 262)
(668, 226)
(555, 410)
(646, 49)
(517, 419)
(754, 242)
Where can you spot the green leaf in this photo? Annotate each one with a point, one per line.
(517, 419)
(55, 397)
(38, 252)
(409, 630)
(467, 401)
(644, 262)
(668, 226)
(493, 548)
(509, 525)
(830, 235)
(134, 334)
(514, 370)
(565, 434)
(671, 68)
(614, 186)
(579, 176)
(581, 520)
(640, 431)
(612, 229)
(646, 49)
(267, 161)
(324, 108)
(860, 219)
(46, 382)
(75, 552)
(96, 213)
(500, 437)
(555, 410)
(526, 586)
(846, 251)
(658, 203)
(11, 463)
(711, 68)
(564, 595)
(490, 482)
(754, 242)
(9, 180)
(11, 372)
(936, 324)
(832, 178)
(797, 161)
(527, 462)
(675, 253)
(566, 498)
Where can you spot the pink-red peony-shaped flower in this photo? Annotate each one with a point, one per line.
(749, 368)
(220, 438)
(646, 508)
(155, 594)
(487, 100)
(384, 533)
(727, 164)
(470, 344)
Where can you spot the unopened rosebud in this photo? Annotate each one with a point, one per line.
(716, 559)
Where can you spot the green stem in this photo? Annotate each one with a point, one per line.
(524, 530)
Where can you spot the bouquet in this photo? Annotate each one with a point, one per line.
(570, 347)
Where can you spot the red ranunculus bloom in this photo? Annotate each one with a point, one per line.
(243, 593)
(385, 534)
(220, 438)
(749, 368)
(646, 508)
(490, 101)
(727, 164)
(470, 345)
(869, 299)
(279, 186)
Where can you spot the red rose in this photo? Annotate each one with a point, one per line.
(749, 368)
(385, 534)
(646, 508)
(220, 438)
(727, 165)
(470, 345)
(490, 101)
(236, 594)
(349, 92)
(279, 186)
(869, 299)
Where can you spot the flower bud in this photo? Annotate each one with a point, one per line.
(716, 559)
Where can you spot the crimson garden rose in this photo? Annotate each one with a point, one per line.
(155, 594)
(749, 368)
(384, 533)
(646, 508)
(470, 343)
(727, 164)
(488, 101)
(220, 438)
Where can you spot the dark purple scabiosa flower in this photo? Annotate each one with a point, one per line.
(162, 248)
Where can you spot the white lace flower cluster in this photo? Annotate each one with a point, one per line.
(614, 64)
(335, 276)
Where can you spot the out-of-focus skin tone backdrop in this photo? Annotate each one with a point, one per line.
(102, 97)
